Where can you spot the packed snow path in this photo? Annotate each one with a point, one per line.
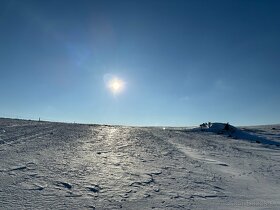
(71, 166)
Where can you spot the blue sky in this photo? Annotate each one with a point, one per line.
(182, 62)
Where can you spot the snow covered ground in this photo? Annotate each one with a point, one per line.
(47, 165)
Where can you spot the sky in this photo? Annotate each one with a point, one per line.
(178, 62)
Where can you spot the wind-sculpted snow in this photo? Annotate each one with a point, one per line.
(48, 165)
(243, 134)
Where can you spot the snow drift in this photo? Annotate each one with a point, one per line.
(236, 133)
(46, 165)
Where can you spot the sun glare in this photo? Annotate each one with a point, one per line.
(116, 85)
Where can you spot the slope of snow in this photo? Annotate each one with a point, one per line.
(47, 165)
(238, 133)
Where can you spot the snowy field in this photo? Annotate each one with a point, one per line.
(47, 165)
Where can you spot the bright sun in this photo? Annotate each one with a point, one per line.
(116, 85)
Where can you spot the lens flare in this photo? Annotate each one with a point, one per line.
(116, 85)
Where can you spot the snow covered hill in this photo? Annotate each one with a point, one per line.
(244, 134)
(46, 165)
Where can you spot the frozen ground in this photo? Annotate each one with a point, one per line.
(70, 166)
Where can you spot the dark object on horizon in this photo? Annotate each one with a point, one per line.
(203, 125)
(226, 127)
(273, 128)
